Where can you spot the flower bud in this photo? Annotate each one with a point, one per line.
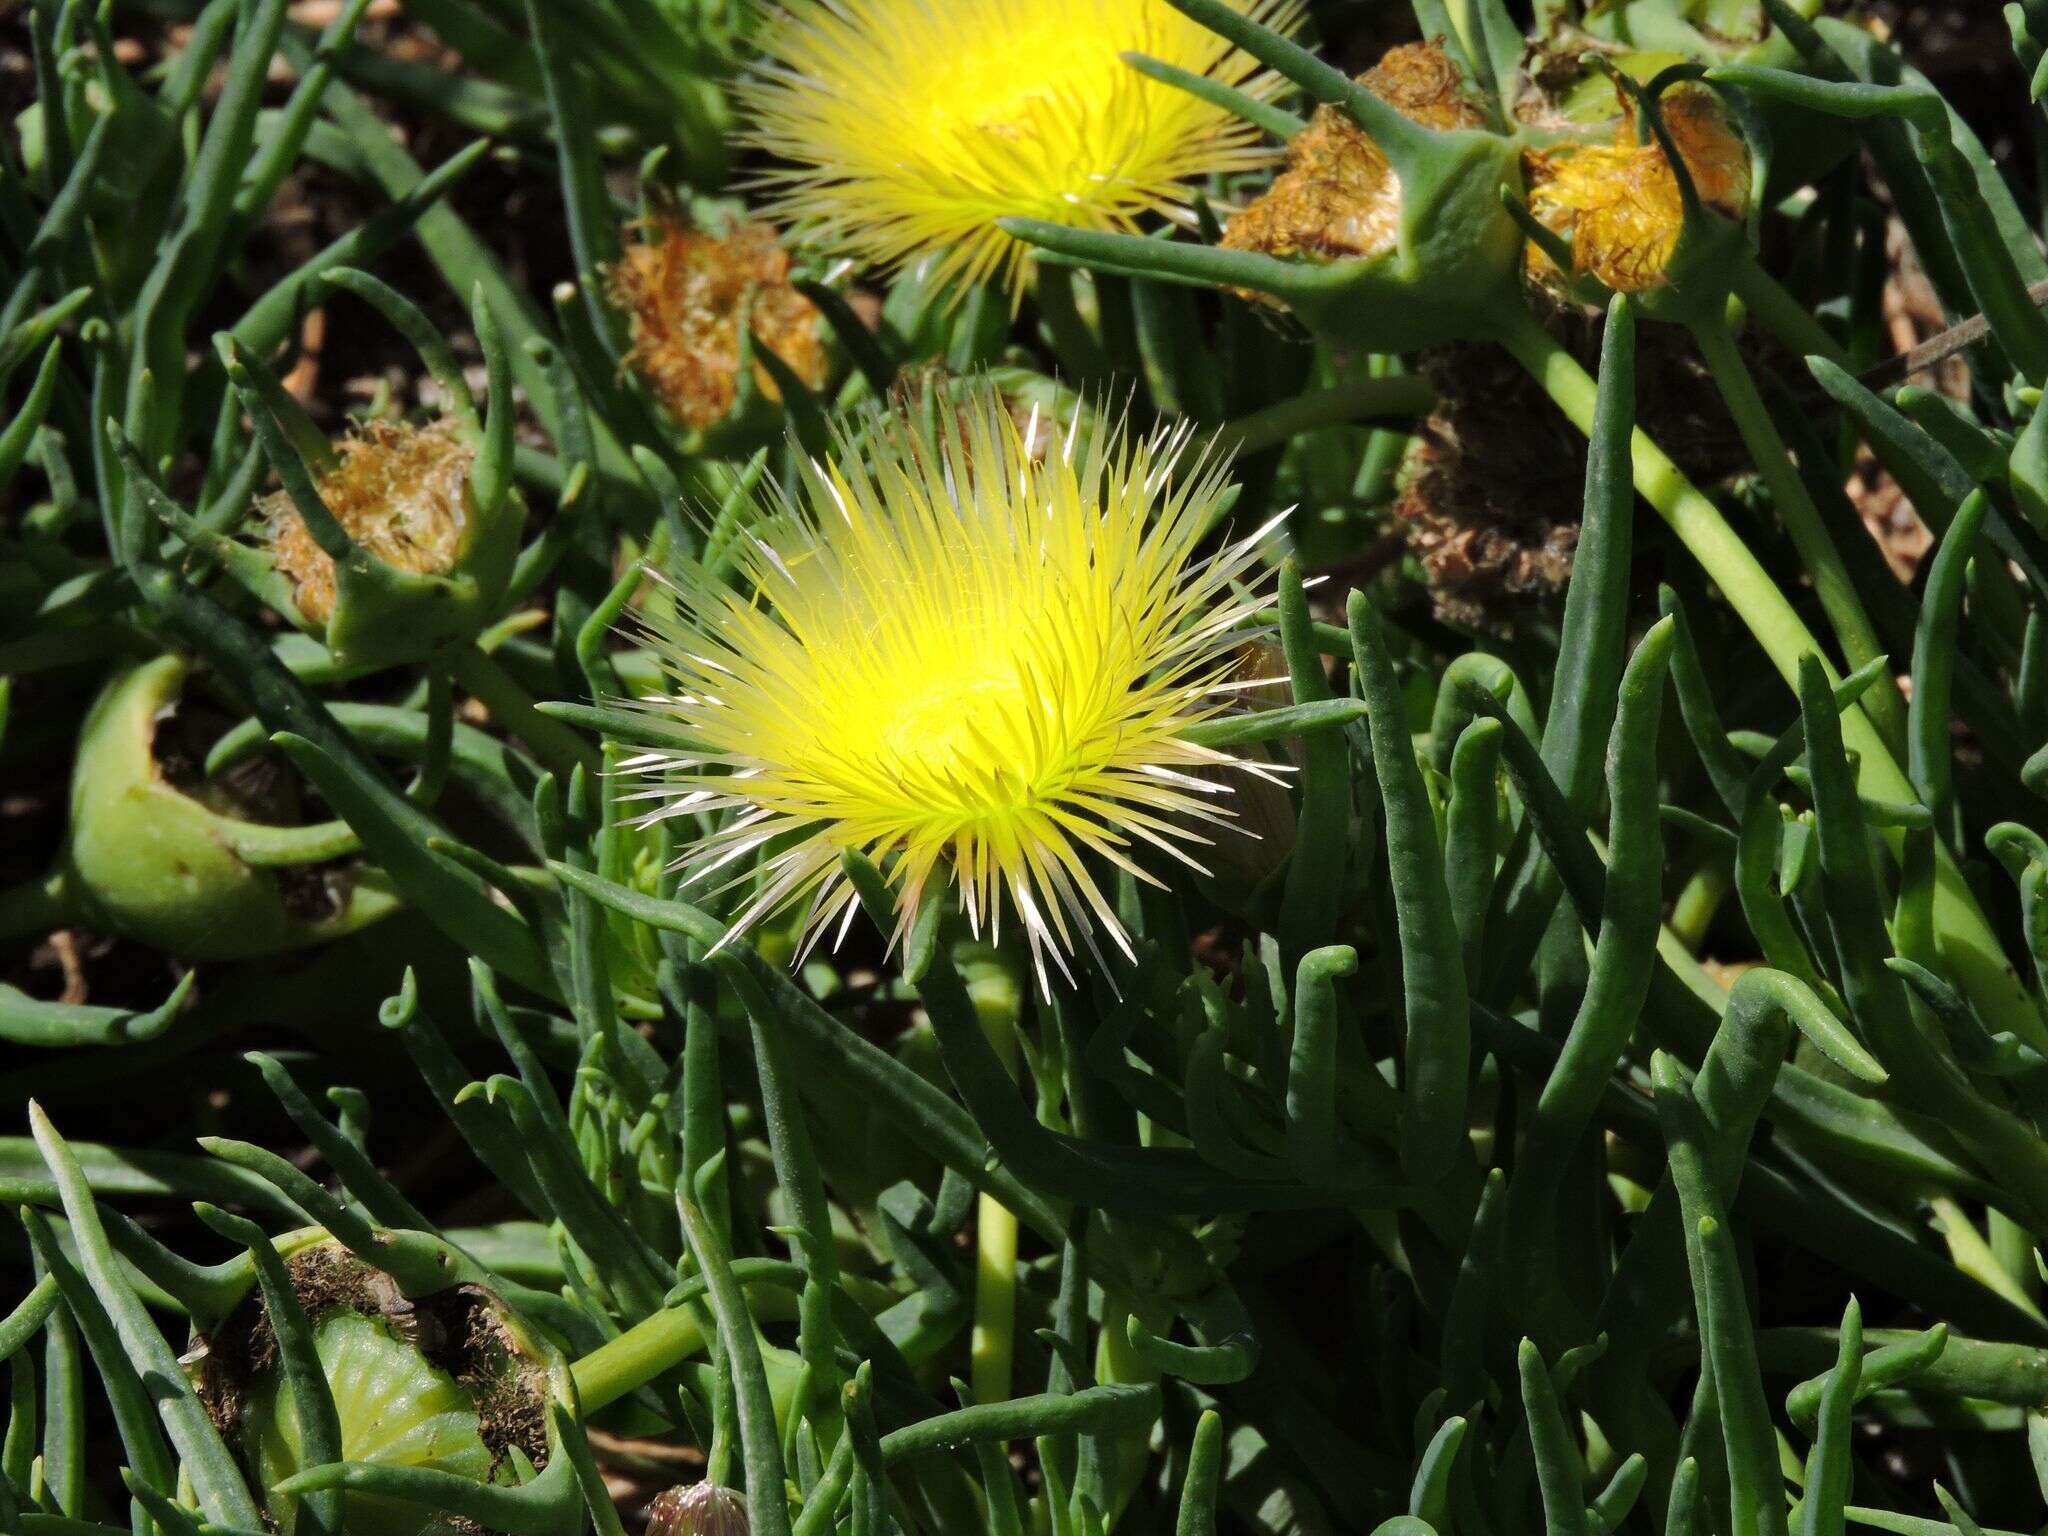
(700, 1509)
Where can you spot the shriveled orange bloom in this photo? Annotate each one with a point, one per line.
(1619, 203)
(401, 493)
(683, 289)
(1338, 197)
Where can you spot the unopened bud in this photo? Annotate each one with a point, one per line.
(700, 1509)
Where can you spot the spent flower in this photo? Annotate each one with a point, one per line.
(1339, 196)
(1620, 205)
(396, 488)
(685, 292)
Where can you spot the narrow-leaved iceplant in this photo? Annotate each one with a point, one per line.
(751, 807)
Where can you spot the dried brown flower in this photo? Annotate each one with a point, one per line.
(401, 493)
(1338, 197)
(683, 289)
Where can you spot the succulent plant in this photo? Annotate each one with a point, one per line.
(837, 878)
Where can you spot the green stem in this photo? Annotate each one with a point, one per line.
(991, 1354)
(1973, 1256)
(1692, 911)
(1963, 936)
(1400, 395)
(36, 906)
(1817, 552)
(663, 1340)
(1782, 315)
(559, 748)
(1073, 343)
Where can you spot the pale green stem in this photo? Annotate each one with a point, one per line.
(1974, 1257)
(558, 746)
(660, 1342)
(36, 906)
(2014, 1246)
(1461, 18)
(1692, 913)
(1792, 323)
(1402, 395)
(993, 1346)
(1963, 937)
(1823, 562)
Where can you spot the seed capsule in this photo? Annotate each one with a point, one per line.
(447, 1382)
(149, 860)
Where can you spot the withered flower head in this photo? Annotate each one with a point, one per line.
(400, 491)
(683, 290)
(1619, 204)
(1338, 197)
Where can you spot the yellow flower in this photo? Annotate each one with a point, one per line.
(908, 127)
(1619, 204)
(957, 656)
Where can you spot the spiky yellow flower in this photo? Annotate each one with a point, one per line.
(908, 127)
(1619, 204)
(964, 661)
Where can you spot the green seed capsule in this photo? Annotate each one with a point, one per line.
(149, 861)
(448, 1383)
(394, 1408)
